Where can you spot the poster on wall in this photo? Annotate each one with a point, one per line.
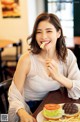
(10, 8)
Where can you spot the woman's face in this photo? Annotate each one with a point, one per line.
(47, 33)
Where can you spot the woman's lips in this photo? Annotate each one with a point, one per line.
(44, 43)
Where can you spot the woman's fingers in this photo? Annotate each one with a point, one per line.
(34, 120)
(30, 119)
(51, 63)
(53, 68)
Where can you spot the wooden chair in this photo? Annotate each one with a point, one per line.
(4, 86)
(13, 57)
(1, 68)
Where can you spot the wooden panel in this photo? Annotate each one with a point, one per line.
(77, 40)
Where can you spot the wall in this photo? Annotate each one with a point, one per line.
(15, 28)
(40, 6)
(35, 7)
(20, 28)
(32, 11)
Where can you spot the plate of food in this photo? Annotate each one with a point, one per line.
(65, 112)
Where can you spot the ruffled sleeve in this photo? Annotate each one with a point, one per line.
(72, 71)
(75, 91)
(16, 101)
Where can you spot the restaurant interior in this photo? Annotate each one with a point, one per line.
(16, 22)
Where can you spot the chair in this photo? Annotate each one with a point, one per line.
(4, 86)
(13, 57)
(8, 70)
(1, 69)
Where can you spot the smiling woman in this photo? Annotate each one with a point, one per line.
(46, 35)
(31, 82)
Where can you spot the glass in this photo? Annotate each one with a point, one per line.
(64, 10)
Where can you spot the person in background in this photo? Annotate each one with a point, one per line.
(47, 67)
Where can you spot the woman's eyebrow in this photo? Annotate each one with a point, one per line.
(39, 29)
(49, 28)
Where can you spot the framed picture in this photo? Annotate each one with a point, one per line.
(10, 8)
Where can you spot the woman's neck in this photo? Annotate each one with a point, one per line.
(48, 54)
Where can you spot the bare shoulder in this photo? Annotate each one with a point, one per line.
(25, 58)
(22, 69)
(24, 63)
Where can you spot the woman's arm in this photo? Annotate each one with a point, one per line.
(21, 72)
(71, 79)
(56, 75)
(17, 105)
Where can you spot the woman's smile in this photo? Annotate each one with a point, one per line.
(46, 33)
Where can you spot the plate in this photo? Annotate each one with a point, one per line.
(40, 117)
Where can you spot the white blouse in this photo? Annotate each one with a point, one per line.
(38, 84)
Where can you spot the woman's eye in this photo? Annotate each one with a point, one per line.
(38, 32)
(49, 31)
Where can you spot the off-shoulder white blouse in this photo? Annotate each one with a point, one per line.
(38, 84)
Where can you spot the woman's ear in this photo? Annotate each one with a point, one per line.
(59, 33)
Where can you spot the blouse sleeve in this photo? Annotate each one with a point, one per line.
(16, 101)
(73, 73)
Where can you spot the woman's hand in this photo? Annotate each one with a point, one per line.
(56, 75)
(25, 117)
(53, 68)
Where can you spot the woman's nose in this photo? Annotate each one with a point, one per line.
(44, 35)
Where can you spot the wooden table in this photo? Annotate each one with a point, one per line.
(58, 96)
(77, 40)
(3, 44)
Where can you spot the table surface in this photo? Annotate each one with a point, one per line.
(4, 43)
(77, 40)
(58, 96)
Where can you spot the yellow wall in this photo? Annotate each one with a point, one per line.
(20, 28)
(15, 28)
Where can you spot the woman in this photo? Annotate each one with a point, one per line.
(49, 66)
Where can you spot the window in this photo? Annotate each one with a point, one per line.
(64, 10)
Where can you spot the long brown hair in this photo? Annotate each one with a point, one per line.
(60, 45)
